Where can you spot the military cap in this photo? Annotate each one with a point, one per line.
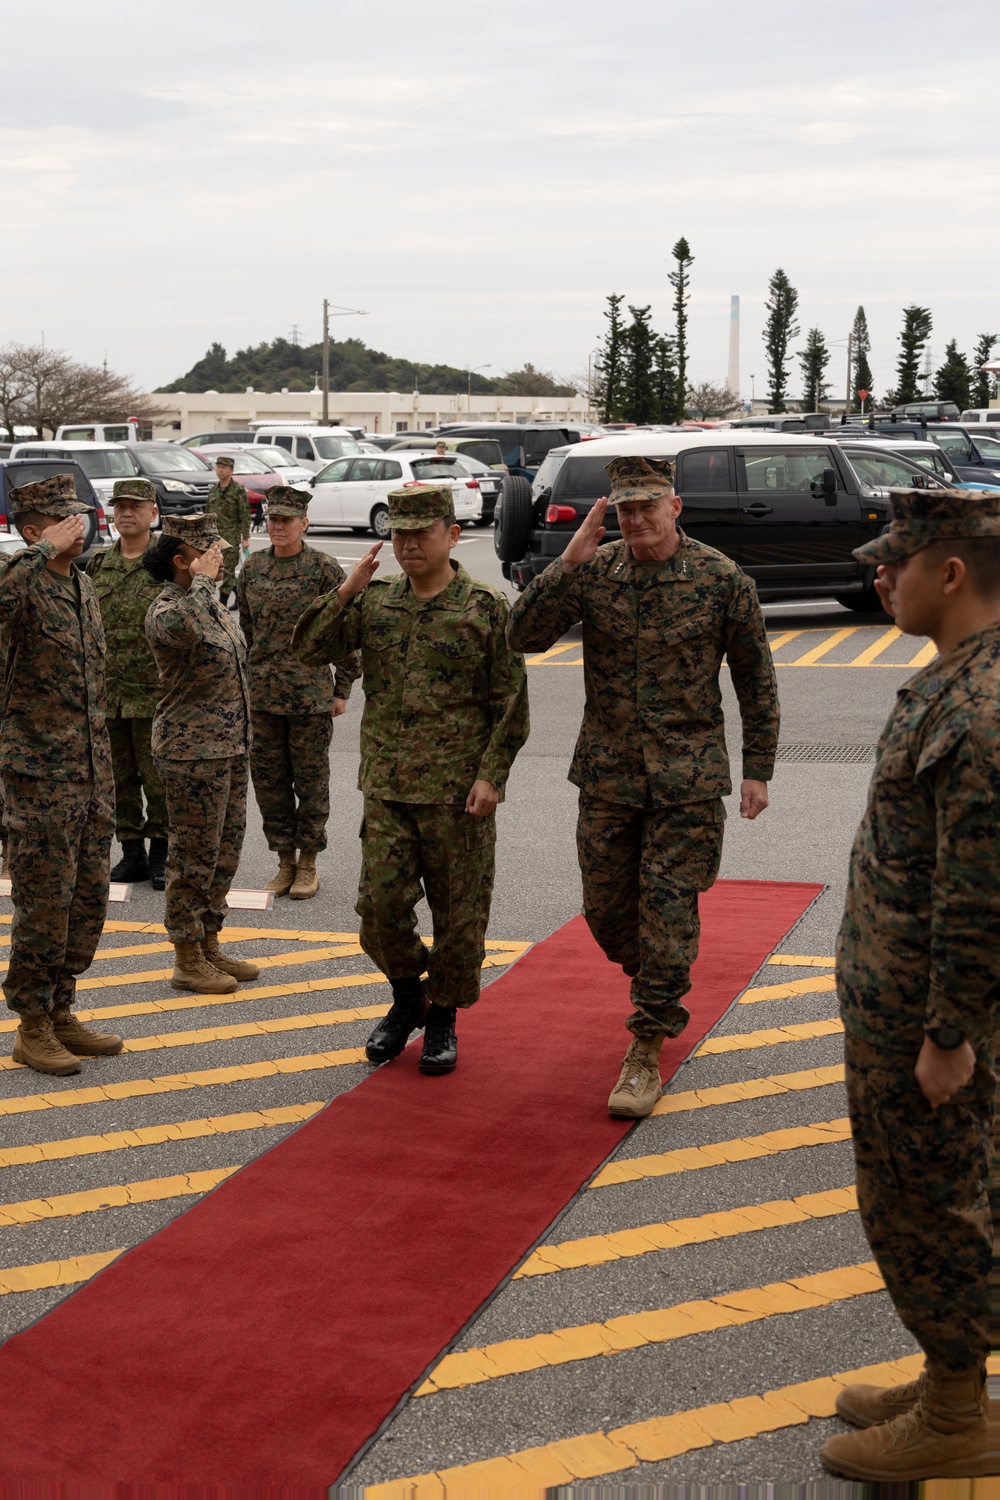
(639, 479)
(419, 505)
(225, 458)
(291, 501)
(920, 517)
(133, 489)
(198, 531)
(55, 496)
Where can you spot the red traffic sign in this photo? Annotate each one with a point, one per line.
(863, 395)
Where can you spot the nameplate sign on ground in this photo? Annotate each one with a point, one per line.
(250, 900)
(117, 891)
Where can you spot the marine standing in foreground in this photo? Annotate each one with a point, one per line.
(919, 982)
(294, 706)
(227, 502)
(55, 760)
(446, 711)
(660, 612)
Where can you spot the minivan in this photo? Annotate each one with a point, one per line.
(311, 446)
(522, 445)
(981, 414)
(103, 432)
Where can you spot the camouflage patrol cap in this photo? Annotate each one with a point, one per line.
(291, 501)
(54, 496)
(419, 505)
(639, 479)
(225, 458)
(920, 517)
(198, 531)
(133, 489)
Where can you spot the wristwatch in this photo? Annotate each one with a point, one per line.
(947, 1038)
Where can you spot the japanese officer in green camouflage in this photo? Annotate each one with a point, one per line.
(124, 592)
(660, 613)
(294, 705)
(227, 502)
(918, 977)
(201, 741)
(446, 711)
(55, 761)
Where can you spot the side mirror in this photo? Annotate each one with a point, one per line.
(826, 486)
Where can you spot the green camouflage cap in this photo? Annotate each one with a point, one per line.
(419, 505)
(55, 496)
(225, 458)
(920, 517)
(291, 501)
(639, 479)
(133, 489)
(198, 531)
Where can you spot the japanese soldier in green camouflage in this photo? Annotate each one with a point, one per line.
(227, 502)
(660, 612)
(55, 761)
(294, 705)
(446, 712)
(201, 740)
(125, 591)
(918, 977)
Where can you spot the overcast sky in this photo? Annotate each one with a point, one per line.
(480, 177)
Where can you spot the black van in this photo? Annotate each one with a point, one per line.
(523, 446)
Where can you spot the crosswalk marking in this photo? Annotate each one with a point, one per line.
(721, 1153)
(796, 961)
(752, 1088)
(826, 640)
(771, 1036)
(122, 1195)
(816, 653)
(50, 1273)
(874, 651)
(789, 991)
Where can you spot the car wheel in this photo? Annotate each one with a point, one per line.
(513, 519)
(866, 603)
(485, 521)
(360, 530)
(378, 522)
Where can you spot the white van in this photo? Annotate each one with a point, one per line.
(102, 463)
(100, 432)
(980, 414)
(311, 446)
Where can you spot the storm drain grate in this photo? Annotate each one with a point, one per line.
(826, 754)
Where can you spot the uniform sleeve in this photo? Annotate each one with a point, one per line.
(246, 617)
(243, 505)
(550, 605)
(327, 632)
(752, 670)
(182, 621)
(17, 579)
(346, 671)
(508, 699)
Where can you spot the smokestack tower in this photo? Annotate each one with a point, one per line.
(733, 376)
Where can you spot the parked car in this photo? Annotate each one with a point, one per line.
(202, 439)
(933, 411)
(522, 445)
(980, 414)
(180, 478)
(488, 478)
(486, 450)
(17, 471)
(252, 473)
(101, 432)
(974, 456)
(278, 459)
(352, 491)
(311, 446)
(103, 463)
(787, 421)
(927, 456)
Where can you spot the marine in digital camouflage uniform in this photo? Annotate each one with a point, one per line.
(227, 502)
(201, 741)
(651, 760)
(55, 761)
(125, 590)
(446, 712)
(919, 981)
(294, 705)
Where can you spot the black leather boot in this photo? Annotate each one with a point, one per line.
(158, 863)
(440, 1054)
(133, 864)
(394, 1030)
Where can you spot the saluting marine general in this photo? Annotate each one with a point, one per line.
(446, 711)
(660, 612)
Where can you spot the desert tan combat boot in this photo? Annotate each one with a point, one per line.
(638, 1087)
(285, 878)
(192, 971)
(35, 1046)
(868, 1405)
(239, 968)
(945, 1435)
(306, 877)
(83, 1041)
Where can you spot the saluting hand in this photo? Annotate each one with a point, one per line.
(65, 533)
(209, 563)
(360, 575)
(585, 542)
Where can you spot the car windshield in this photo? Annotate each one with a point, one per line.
(435, 468)
(335, 447)
(583, 479)
(988, 447)
(278, 458)
(171, 461)
(486, 450)
(112, 463)
(243, 463)
(933, 462)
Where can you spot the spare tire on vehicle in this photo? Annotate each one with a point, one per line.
(513, 519)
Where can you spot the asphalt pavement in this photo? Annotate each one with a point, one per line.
(90, 1173)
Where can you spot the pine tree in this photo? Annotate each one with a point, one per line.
(984, 385)
(779, 331)
(680, 280)
(917, 324)
(609, 392)
(639, 383)
(860, 350)
(814, 360)
(953, 382)
(665, 378)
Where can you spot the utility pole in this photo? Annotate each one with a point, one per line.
(470, 371)
(340, 312)
(849, 401)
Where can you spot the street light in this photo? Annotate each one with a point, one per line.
(470, 371)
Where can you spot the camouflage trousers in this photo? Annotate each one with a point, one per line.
(437, 850)
(207, 816)
(922, 1178)
(58, 847)
(135, 772)
(290, 764)
(642, 869)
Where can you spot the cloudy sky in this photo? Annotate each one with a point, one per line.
(480, 177)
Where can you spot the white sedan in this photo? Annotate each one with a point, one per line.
(352, 491)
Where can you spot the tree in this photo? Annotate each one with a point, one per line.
(814, 359)
(42, 388)
(953, 382)
(779, 331)
(639, 386)
(708, 400)
(527, 381)
(680, 279)
(983, 385)
(610, 372)
(917, 324)
(861, 379)
(665, 378)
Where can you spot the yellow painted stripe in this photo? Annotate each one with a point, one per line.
(51, 1273)
(285, 934)
(720, 1153)
(156, 1135)
(122, 1195)
(872, 652)
(626, 1244)
(744, 1041)
(788, 991)
(541, 657)
(292, 957)
(659, 1325)
(172, 1083)
(796, 961)
(815, 653)
(269, 1027)
(136, 950)
(592, 1454)
(924, 656)
(783, 639)
(752, 1088)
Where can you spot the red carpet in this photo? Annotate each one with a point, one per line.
(261, 1338)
